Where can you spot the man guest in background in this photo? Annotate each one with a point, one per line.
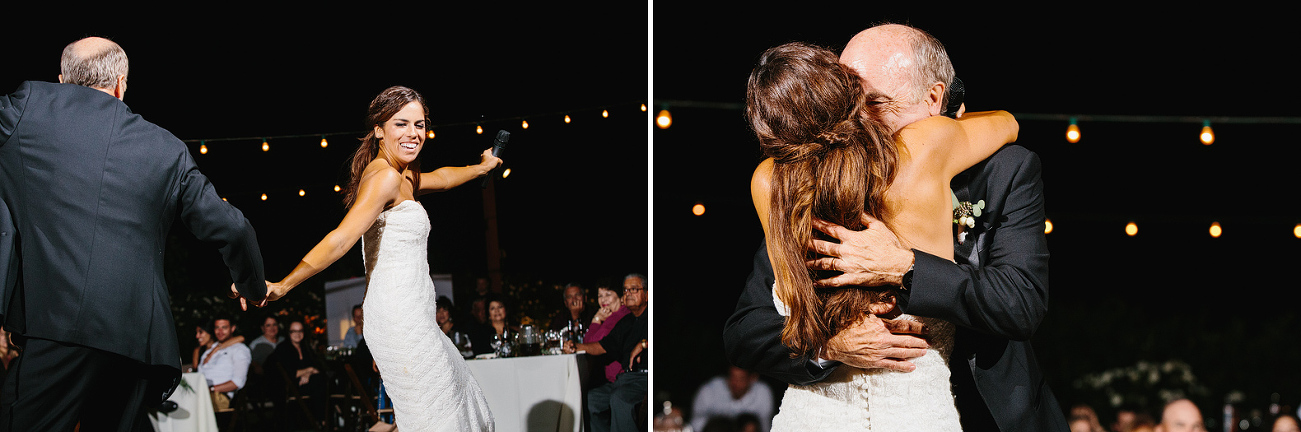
(739, 392)
(93, 190)
(353, 337)
(1181, 415)
(576, 309)
(227, 370)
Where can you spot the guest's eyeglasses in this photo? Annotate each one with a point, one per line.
(634, 289)
(295, 331)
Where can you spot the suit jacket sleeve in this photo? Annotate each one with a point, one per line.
(752, 335)
(211, 219)
(1008, 296)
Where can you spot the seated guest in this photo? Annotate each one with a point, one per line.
(353, 336)
(609, 297)
(445, 315)
(264, 345)
(499, 325)
(203, 334)
(301, 365)
(576, 308)
(225, 369)
(612, 406)
(740, 392)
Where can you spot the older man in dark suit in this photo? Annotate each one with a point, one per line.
(996, 292)
(93, 190)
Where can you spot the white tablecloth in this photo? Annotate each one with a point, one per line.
(195, 408)
(538, 393)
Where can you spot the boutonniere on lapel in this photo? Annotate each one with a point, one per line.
(964, 216)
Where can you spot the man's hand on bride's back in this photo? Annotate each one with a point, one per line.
(872, 256)
(875, 343)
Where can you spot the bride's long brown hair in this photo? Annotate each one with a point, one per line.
(833, 161)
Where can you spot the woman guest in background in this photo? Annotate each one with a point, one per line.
(431, 386)
(301, 366)
(610, 297)
(203, 334)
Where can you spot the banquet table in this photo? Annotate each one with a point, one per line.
(536, 393)
(194, 412)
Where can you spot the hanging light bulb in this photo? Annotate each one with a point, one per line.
(337, 188)
(1073, 132)
(524, 124)
(566, 118)
(1296, 231)
(265, 147)
(478, 129)
(264, 197)
(1131, 229)
(1207, 136)
(605, 113)
(324, 143)
(203, 148)
(1216, 230)
(302, 192)
(505, 173)
(664, 119)
(698, 209)
(431, 134)
(643, 107)
(1048, 226)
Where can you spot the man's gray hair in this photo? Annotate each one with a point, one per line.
(933, 65)
(644, 282)
(96, 69)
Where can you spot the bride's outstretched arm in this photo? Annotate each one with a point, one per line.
(446, 178)
(376, 190)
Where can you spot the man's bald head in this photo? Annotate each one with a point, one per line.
(94, 62)
(900, 67)
(1181, 415)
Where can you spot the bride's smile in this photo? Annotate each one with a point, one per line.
(403, 136)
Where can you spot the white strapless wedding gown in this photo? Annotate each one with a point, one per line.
(853, 399)
(424, 374)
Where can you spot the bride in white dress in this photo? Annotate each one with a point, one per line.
(424, 374)
(830, 158)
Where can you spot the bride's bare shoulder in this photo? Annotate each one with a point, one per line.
(761, 180)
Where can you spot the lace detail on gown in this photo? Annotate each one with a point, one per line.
(431, 387)
(853, 399)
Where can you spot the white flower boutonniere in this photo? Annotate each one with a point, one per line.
(964, 216)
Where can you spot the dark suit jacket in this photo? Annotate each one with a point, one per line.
(93, 190)
(997, 294)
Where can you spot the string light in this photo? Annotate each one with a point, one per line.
(478, 129)
(505, 173)
(664, 119)
(1207, 135)
(1216, 230)
(324, 143)
(264, 197)
(265, 147)
(643, 107)
(1296, 231)
(605, 113)
(566, 118)
(302, 192)
(203, 148)
(1048, 226)
(524, 124)
(431, 134)
(1131, 229)
(698, 209)
(337, 188)
(1073, 132)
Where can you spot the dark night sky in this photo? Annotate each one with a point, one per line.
(1162, 295)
